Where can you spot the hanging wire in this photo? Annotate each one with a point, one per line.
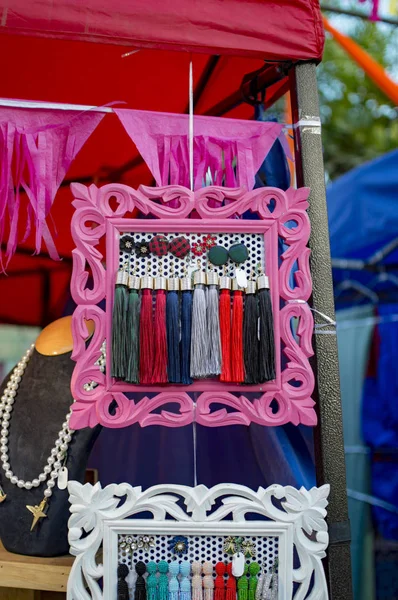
(190, 126)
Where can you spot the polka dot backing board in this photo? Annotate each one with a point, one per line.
(254, 242)
(200, 548)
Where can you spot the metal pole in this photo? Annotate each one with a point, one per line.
(328, 435)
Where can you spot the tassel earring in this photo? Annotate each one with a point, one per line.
(274, 581)
(186, 326)
(122, 587)
(185, 584)
(213, 325)
(208, 581)
(266, 589)
(237, 364)
(174, 586)
(274, 591)
(225, 328)
(197, 592)
(219, 585)
(260, 584)
(173, 330)
(140, 587)
(231, 584)
(131, 581)
(243, 586)
(250, 334)
(146, 331)
(267, 343)
(254, 569)
(133, 331)
(119, 317)
(163, 582)
(151, 581)
(160, 354)
(199, 339)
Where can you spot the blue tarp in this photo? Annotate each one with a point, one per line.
(363, 209)
(363, 219)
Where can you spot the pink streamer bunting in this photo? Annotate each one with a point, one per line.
(162, 140)
(37, 147)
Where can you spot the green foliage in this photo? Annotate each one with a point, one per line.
(359, 121)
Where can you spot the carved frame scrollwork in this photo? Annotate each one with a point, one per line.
(109, 210)
(296, 517)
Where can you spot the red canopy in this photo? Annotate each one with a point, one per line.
(73, 71)
(266, 29)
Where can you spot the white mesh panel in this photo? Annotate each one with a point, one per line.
(200, 548)
(253, 241)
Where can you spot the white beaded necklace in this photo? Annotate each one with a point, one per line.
(58, 452)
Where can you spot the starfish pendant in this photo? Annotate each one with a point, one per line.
(37, 512)
(3, 496)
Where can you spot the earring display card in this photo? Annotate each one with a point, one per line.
(276, 244)
(196, 259)
(132, 548)
(286, 530)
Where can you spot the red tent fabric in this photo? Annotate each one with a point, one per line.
(38, 65)
(266, 29)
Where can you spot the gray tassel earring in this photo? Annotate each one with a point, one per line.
(199, 339)
(213, 325)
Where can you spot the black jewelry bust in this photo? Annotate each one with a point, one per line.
(41, 405)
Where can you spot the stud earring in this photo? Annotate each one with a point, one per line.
(238, 253)
(218, 255)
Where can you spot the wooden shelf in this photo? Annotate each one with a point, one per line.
(32, 573)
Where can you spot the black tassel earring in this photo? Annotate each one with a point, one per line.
(122, 587)
(119, 321)
(250, 334)
(140, 587)
(267, 343)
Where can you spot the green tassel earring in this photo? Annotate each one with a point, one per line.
(243, 585)
(152, 581)
(163, 582)
(119, 317)
(133, 331)
(254, 569)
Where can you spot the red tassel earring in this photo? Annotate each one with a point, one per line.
(231, 584)
(237, 366)
(219, 585)
(225, 328)
(160, 354)
(146, 331)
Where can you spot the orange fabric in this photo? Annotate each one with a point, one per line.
(366, 62)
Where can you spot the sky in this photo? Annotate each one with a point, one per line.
(345, 24)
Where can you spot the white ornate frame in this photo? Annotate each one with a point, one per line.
(297, 517)
(107, 211)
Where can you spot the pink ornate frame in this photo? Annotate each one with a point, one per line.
(107, 211)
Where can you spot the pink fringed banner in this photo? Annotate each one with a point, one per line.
(230, 150)
(374, 15)
(37, 148)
